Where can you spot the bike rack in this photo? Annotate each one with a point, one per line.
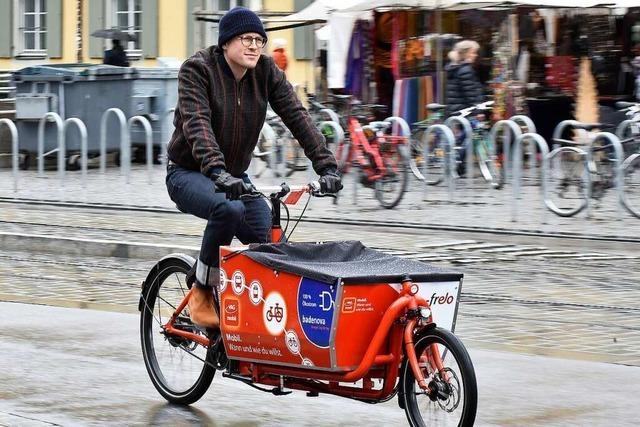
(332, 115)
(270, 135)
(84, 158)
(468, 141)
(560, 128)
(14, 150)
(618, 176)
(626, 203)
(125, 142)
(450, 157)
(517, 170)
(506, 149)
(165, 137)
(401, 123)
(585, 204)
(525, 121)
(148, 143)
(61, 144)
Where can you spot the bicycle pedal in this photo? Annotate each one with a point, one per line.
(312, 394)
(277, 391)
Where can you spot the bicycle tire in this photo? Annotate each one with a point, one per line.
(201, 378)
(489, 168)
(631, 176)
(452, 350)
(399, 174)
(435, 157)
(569, 175)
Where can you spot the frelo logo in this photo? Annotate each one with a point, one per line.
(441, 299)
(231, 312)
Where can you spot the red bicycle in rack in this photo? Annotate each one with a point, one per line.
(382, 159)
(335, 318)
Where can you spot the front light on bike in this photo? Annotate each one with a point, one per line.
(425, 312)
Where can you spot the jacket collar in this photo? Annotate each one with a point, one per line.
(219, 53)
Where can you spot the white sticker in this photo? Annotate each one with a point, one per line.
(255, 292)
(307, 362)
(223, 280)
(293, 343)
(274, 313)
(237, 282)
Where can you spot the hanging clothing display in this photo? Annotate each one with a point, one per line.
(358, 75)
(411, 96)
(338, 48)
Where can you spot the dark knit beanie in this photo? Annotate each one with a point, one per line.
(237, 21)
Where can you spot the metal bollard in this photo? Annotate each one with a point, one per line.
(61, 144)
(447, 133)
(165, 137)
(148, 131)
(525, 121)
(125, 143)
(468, 141)
(399, 122)
(84, 157)
(14, 150)
(585, 203)
(506, 149)
(619, 154)
(517, 170)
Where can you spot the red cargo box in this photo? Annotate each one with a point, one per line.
(318, 304)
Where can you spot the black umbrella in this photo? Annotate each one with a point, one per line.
(115, 34)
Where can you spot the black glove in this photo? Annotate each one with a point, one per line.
(234, 187)
(330, 182)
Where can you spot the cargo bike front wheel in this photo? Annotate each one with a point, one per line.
(180, 369)
(452, 397)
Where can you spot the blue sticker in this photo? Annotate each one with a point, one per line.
(316, 302)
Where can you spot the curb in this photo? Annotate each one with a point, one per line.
(91, 247)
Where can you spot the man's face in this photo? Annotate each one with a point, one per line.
(244, 50)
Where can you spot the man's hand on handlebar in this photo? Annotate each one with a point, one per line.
(234, 187)
(330, 182)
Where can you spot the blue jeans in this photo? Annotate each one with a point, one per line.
(248, 220)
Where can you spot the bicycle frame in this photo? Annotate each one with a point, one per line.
(391, 343)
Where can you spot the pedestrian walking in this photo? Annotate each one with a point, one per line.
(279, 54)
(463, 87)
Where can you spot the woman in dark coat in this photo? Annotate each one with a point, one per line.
(463, 87)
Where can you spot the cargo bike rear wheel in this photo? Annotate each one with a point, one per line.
(452, 398)
(180, 369)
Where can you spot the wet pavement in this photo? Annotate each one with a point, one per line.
(567, 289)
(73, 367)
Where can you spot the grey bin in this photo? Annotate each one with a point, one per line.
(86, 91)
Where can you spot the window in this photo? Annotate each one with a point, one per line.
(126, 15)
(207, 33)
(32, 28)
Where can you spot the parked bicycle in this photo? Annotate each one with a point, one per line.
(389, 347)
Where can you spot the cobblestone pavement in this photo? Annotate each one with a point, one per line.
(475, 205)
(556, 299)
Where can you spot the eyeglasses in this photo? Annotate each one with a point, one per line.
(247, 41)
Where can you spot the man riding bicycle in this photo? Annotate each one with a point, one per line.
(223, 93)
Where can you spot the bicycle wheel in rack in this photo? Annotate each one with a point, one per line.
(601, 167)
(434, 160)
(567, 186)
(180, 369)
(490, 167)
(391, 187)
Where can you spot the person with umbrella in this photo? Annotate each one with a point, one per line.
(116, 55)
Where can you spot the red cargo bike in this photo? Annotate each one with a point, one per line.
(335, 318)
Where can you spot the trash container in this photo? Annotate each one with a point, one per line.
(86, 92)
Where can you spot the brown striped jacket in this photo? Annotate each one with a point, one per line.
(218, 119)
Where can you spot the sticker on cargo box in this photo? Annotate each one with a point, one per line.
(255, 292)
(293, 343)
(274, 313)
(223, 280)
(231, 312)
(237, 282)
(316, 303)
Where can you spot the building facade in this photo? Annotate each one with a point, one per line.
(36, 32)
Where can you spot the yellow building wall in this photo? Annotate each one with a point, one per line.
(298, 71)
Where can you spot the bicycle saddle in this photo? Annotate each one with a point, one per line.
(623, 104)
(434, 106)
(342, 96)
